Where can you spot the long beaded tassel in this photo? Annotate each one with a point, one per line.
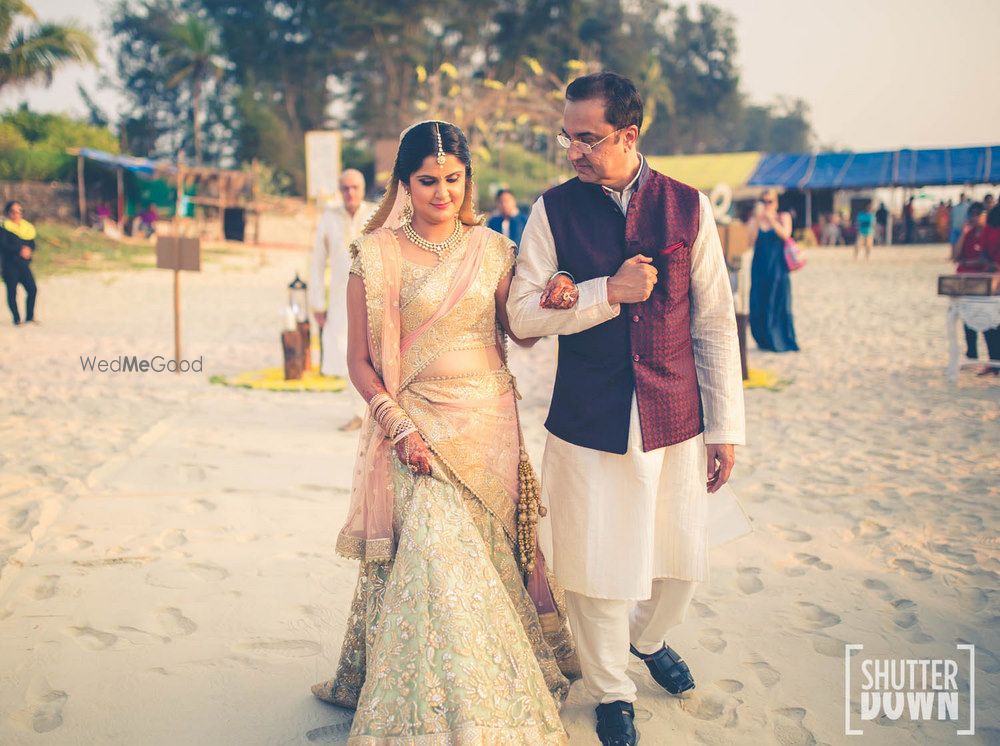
(529, 510)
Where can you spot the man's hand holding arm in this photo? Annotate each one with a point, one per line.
(536, 265)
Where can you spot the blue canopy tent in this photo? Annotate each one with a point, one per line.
(143, 167)
(890, 168)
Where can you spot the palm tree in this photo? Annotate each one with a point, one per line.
(192, 52)
(35, 53)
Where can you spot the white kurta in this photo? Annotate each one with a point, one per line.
(620, 521)
(334, 233)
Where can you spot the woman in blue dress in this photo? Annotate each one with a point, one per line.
(770, 290)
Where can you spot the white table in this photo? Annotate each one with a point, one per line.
(979, 313)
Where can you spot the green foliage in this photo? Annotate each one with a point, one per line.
(362, 65)
(150, 37)
(63, 248)
(33, 146)
(34, 53)
(58, 131)
(525, 173)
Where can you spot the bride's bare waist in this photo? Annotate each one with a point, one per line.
(481, 361)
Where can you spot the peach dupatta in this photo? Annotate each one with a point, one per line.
(368, 532)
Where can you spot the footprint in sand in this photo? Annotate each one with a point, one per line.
(711, 640)
(46, 588)
(92, 639)
(879, 507)
(174, 623)
(918, 637)
(705, 706)
(805, 561)
(869, 530)
(813, 561)
(138, 636)
(208, 571)
(789, 729)
(46, 715)
(817, 616)
(920, 572)
(955, 555)
(831, 647)
(195, 472)
(74, 543)
(284, 648)
(766, 673)
(333, 733)
(986, 661)
(17, 519)
(748, 582)
(173, 538)
(199, 506)
(790, 533)
(905, 617)
(974, 599)
(703, 610)
(881, 589)
(730, 686)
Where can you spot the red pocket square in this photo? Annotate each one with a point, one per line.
(672, 249)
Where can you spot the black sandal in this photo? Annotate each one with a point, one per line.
(667, 668)
(614, 724)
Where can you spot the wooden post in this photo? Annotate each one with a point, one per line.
(80, 190)
(179, 207)
(177, 319)
(809, 208)
(254, 165)
(223, 187)
(121, 199)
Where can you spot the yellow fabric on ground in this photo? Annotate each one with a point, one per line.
(273, 379)
(764, 379)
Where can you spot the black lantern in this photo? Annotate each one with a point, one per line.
(298, 299)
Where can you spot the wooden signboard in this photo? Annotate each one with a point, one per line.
(178, 253)
(976, 284)
(735, 239)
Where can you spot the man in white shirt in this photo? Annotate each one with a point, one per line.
(626, 266)
(338, 226)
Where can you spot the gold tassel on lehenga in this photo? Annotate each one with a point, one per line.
(529, 510)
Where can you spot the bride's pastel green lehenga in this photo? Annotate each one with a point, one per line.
(445, 642)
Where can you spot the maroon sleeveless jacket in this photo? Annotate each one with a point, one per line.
(647, 347)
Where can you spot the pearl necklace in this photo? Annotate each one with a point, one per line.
(435, 248)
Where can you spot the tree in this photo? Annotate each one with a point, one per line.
(191, 50)
(157, 122)
(33, 54)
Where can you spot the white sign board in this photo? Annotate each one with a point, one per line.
(322, 164)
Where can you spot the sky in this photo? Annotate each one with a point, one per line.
(876, 74)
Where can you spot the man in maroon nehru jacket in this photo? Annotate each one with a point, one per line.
(625, 265)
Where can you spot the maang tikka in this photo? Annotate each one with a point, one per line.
(440, 153)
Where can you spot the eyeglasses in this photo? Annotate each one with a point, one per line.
(586, 148)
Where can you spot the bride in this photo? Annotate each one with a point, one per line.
(456, 634)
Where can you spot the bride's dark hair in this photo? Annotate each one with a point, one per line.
(416, 144)
(421, 141)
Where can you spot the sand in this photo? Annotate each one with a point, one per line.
(167, 573)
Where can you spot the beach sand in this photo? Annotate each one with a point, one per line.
(166, 544)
